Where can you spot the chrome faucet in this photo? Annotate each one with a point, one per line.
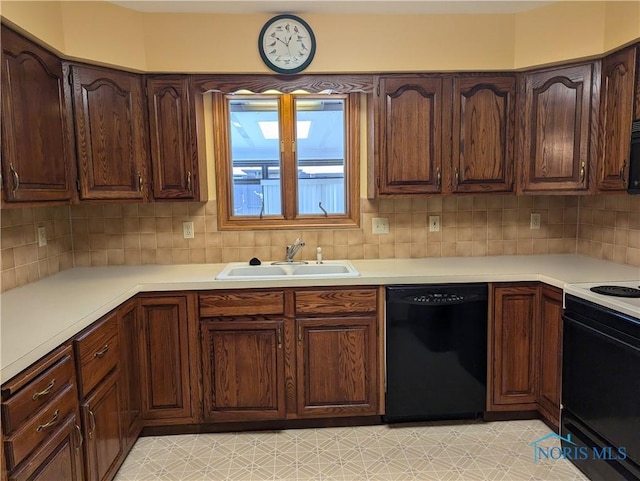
(293, 249)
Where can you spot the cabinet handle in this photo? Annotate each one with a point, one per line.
(80, 438)
(457, 176)
(582, 171)
(16, 180)
(140, 182)
(189, 188)
(53, 421)
(439, 178)
(45, 391)
(299, 333)
(622, 171)
(92, 426)
(101, 352)
(280, 337)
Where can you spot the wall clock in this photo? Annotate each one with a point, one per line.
(286, 44)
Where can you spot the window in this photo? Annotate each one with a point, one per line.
(287, 160)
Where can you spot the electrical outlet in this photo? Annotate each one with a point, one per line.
(187, 230)
(434, 223)
(42, 236)
(380, 225)
(535, 221)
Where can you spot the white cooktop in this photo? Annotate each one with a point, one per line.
(626, 305)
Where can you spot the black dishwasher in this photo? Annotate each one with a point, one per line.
(436, 352)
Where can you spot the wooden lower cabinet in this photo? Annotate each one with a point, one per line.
(514, 337)
(168, 376)
(336, 367)
(243, 370)
(550, 354)
(130, 372)
(59, 458)
(526, 349)
(104, 440)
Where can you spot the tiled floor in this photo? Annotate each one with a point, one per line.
(464, 452)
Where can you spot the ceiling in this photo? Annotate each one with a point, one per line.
(331, 6)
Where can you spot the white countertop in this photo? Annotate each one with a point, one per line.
(36, 318)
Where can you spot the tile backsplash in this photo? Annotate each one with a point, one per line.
(605, 227)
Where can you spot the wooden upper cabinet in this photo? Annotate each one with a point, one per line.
(616, 115)
(483, 137)
(556, 121)
(111, 135)
(171, 134)
(409, 135)
(37, 133)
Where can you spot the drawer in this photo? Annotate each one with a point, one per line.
(40, 427)
(38, 392)
(252, 303)
(98, 352)
(336, 301)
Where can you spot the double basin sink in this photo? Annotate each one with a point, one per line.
(242, 270)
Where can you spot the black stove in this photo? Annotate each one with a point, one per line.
(617, 291)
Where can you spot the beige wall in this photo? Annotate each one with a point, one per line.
(108, 34)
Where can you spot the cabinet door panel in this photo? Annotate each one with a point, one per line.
(37, 149)
(337, 367)
(130, 372)
(483, 134)
(557, 129)
(616, 115)
(165, 370)
(550, 356)
(102, 426)
(243, 370)
(409, 137)
(111, 135)
(514, 345)
(170, 135)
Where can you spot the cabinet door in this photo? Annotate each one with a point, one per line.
(515, 311)
(59, 458)
(130, 372)
(556, 135)
(243, 370)
(172, 152)
(409, 135)
(101, 417)
(166, 374)
(483, 137)
(37, 135)
(550, 354)
(337, 367)
(616, 115)
(111, 140)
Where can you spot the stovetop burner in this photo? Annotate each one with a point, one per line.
(617, 291)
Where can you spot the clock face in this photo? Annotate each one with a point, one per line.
(287, 44)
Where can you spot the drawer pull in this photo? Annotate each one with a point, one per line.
(45, 391)
(53, 421)
(102, 351)
(80, 438)
(93, 424)
(280, 337)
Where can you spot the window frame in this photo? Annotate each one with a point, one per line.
(288, 173)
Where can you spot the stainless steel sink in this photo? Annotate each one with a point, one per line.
(241, 270)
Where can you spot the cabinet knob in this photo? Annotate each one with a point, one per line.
(189, 187)
(140, 182)
(457, 176)
(92, 427)
(101, 352)
(582, 172)
(80, 438)
(439, 178)
(16, 180)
